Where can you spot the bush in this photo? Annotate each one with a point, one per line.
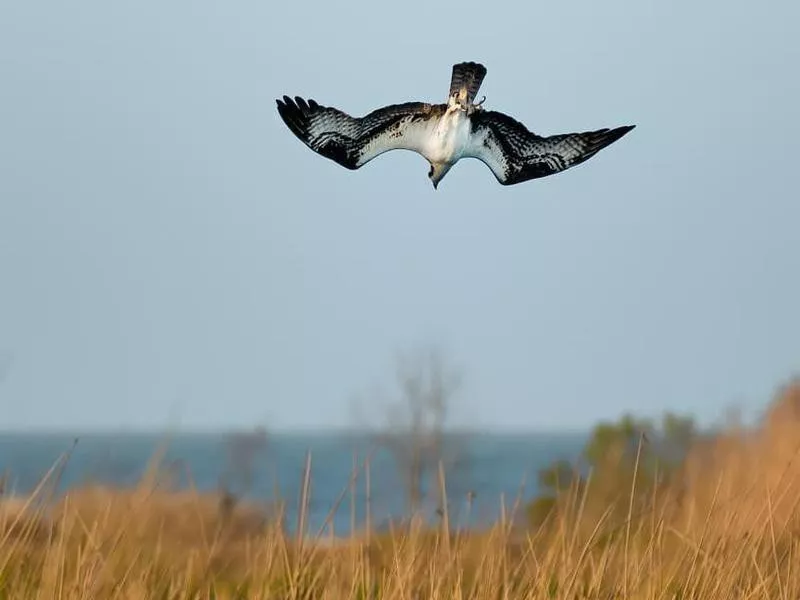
(631, 456)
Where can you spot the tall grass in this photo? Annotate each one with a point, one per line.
(728, 528)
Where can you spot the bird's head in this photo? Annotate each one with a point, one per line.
(437, 173)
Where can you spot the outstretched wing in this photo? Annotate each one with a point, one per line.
(354, 141)
(515, 154)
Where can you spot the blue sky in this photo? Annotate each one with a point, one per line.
(169, 252)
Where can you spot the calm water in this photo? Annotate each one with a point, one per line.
(490, 465)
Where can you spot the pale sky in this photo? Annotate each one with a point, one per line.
(170, 252)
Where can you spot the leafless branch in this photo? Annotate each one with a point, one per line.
(414, 432)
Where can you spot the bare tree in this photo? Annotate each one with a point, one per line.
(414, 432)
(242, 449)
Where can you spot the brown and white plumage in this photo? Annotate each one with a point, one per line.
(443, 134)
(515, 154)
(353, 141)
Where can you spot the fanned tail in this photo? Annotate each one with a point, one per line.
(466, 81)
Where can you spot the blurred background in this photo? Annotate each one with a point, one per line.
(175, 264)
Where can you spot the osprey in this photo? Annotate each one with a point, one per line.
(443, 134)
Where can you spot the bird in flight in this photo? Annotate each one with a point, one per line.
(443, 134)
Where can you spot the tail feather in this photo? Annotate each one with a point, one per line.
(466, 80)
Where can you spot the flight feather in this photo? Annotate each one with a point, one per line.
(514, 154)
(354, 141)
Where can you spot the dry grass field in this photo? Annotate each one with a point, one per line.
(728, 528)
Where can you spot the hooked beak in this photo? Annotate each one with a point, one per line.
(434, 180)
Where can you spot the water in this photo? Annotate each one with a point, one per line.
(491, 466)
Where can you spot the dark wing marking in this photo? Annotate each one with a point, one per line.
(515, 154)
(466, 80)
(354, 141)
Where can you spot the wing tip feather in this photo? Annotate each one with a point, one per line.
(605, 137)
(293, 115)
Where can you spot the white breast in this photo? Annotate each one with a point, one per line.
(448, 137)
